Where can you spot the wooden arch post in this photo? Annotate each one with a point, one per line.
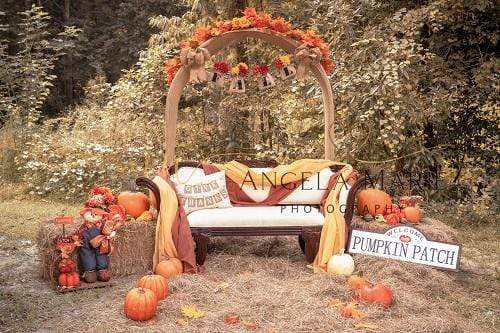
(223, 41)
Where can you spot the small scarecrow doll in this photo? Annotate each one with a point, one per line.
(101, 218)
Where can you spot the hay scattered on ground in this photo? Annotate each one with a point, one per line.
(261, 279)
(431, 228)
(132, 248)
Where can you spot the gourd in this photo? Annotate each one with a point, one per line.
(378, 294)
(412, 214)
(373, 201)
(169, 268)
(342, 264)
(69, 280)
(140, 304)
(156, 283)
(135, 203)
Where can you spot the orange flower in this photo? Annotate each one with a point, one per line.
(280, 25)
(224, 26)
(328, 65)
(171, 68)
(250, 12)
(311, 38)
(202, 34)
(296, 34)
(261, 21)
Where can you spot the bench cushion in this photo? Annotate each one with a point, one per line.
(257, 216)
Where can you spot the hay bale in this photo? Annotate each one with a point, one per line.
(132, 248)
(433, 229)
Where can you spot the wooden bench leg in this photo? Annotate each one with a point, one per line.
(311, 244)
(201, 250)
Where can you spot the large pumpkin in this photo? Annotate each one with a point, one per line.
(168, 268)
(135, 203)
(69, 280)
(341, 264)
(412, 214)
(378, 293)
(140, 304)
(157, 283)
(372, 201)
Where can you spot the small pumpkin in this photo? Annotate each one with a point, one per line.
(341, 264)
(412, 214)
(140, 304)
(373, 201)
(66, 266)
(157, 283)
(69, 280)
(356, 281)
(135, 203)
(378, 294)
(169, 268)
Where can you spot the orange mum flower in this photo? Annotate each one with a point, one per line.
(261, 21)
(202, 34)
(224, 26)
(280, 25)
(328, 65)
(171, 67)
(250, 12)
(296, 34)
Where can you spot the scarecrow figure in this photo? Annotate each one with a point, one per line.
(101, 219)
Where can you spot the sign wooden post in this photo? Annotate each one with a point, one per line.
(405, 243)
(63, 220)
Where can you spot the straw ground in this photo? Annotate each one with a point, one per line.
(262, 280)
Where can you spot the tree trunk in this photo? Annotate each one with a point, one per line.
(68, 64)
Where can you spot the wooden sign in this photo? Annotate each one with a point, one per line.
(63, 220)
(405, 243)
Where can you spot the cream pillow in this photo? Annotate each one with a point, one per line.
(203, 192)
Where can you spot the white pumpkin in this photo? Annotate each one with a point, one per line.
(341, 264)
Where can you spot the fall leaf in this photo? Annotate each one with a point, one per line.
(181, 322)
(231, 319)
(367, 326)
(351, 310)
(250, 325)
(192, 312)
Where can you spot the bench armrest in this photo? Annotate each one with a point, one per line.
(351, 197)
(149, 184)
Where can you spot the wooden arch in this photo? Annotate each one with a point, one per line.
(225, 40)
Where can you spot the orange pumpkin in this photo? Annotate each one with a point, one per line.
(356, 281)
(157, 283)
(140, 304)
(372, 201)
(412, 214)
(168, 268)
(69, 280)
(66, 266)
(378, 293)
(135, 203)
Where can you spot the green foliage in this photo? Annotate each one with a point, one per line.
(410, 77)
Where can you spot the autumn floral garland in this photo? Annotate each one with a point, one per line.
(252, 19)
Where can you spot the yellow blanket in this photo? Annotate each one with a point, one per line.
(332, 239)
(164, 244)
